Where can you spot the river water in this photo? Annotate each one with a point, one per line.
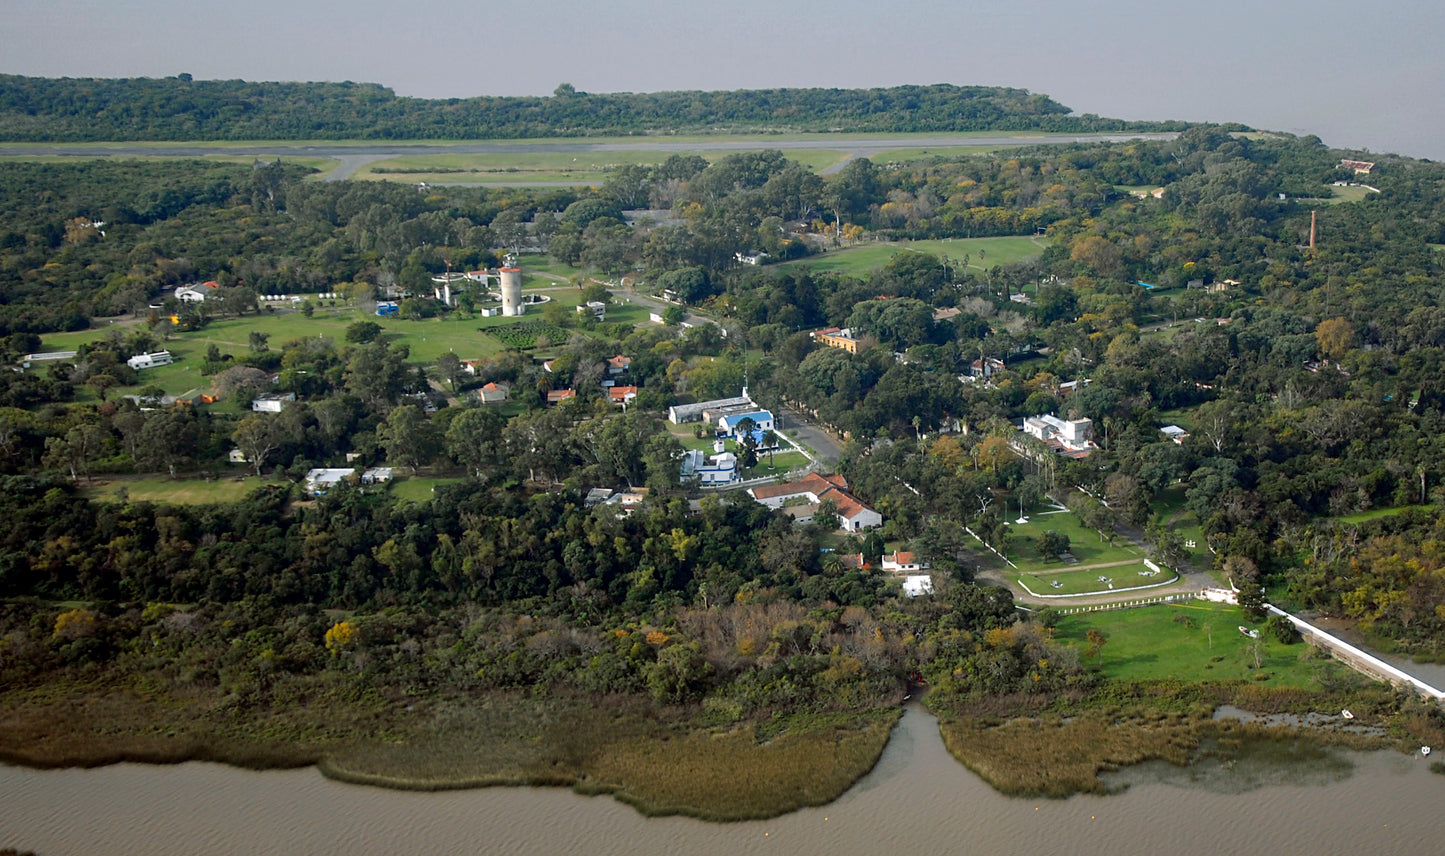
(918, 799)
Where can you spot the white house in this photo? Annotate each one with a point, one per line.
(1071, 437)
(197, 292)
(596, 308)
(901, 562)
(710, 470)
(493, 393)
(272, 402)
(376, 475)
(728, 424)
(147, 361)
(853, 515)
(1175, 433)
(322, 479)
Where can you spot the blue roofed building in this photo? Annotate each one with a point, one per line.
(727, 425)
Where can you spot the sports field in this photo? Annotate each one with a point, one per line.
(1096, 580)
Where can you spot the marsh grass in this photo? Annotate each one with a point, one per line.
(1061, 756)
(658, 766)
(660, 761)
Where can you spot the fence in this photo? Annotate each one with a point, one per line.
(1127, 604)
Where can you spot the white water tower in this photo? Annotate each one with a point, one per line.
(512, 291)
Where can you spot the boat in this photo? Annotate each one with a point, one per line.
(1253, 634)
(1346, 714)
(1425, 750)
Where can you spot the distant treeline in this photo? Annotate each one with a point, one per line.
(179, 108)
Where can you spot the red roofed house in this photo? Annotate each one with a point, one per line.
(557, 396)
(853, 515)
(900, 562)
(493, 393)
(618, 364)
(622, 395)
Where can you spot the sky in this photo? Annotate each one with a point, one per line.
(1360, 75)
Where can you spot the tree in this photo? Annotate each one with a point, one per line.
(257, 435)
(362, 332)
(673, 315)
(1052, 543)
(1096, 641)
(259, 342)
(408, 437)
(474, 440)
(1336, 337)
(449, 366)
(168, 440)
(75, 452)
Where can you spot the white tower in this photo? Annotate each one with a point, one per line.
(512, 291)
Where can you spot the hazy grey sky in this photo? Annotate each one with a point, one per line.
(1358, 74)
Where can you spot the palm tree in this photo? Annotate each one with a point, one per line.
(770, 439)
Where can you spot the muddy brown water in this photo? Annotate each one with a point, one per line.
(918, 799)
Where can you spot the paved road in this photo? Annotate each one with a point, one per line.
(827, 450)
(356, 155)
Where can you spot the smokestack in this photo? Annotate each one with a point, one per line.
(1312, 229)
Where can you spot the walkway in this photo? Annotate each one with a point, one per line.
(1360, 660)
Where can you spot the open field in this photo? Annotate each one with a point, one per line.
(984, 253)
(883, 157)
(230, 487)
(1196, 641)
(572, 167)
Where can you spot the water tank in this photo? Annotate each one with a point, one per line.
(512, 291)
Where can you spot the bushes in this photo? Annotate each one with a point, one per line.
(526, 334)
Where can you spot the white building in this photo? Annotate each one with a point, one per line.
(917, 584)
(728, 424)
(1073, 437)
(272, 402)
(322, 479)
(710, 470)
(147, 361)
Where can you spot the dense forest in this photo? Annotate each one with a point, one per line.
(1172, 282)
(37, 109)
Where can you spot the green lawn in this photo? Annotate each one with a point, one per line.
(418, 488)
(1084, 543)
(1169, 504)
(1089, 582)
(983, 253)
(1376, 513)
(229, 487)
(1194, 641)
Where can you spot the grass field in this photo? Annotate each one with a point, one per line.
(576, 167)
(419, 488)
(1084, 543)
(427, 338)
(1169, 503)
(1089, 582)
(887, 156)
(1193, 642)
(1377, 513)
(984, 253)
(186, 491)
